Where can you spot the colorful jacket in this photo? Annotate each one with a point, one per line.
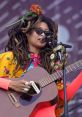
(8, 66)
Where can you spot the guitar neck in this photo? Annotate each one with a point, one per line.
(55, 76)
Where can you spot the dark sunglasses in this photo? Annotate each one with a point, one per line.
(39, 31)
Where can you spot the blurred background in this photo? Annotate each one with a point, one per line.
(68, 15)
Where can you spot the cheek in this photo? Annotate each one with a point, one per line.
(32, 38)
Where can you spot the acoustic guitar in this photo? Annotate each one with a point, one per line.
(43, 89)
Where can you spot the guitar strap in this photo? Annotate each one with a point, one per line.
(13, 99)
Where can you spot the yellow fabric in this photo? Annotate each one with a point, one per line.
(8, 66)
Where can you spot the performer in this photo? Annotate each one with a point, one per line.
(28, 48)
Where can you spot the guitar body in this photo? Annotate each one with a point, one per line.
(47, 93)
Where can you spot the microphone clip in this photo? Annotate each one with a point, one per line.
(65, 45)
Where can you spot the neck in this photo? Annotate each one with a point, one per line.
(34, 50)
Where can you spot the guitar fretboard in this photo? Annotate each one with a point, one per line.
(55, 76)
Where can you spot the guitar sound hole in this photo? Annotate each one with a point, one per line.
(26, 97)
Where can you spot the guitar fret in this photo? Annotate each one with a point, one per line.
(57, 76)
(41, 83)
(46, 81)
(53, 77)
(49, 80)
(74, 66)
(70, 69)
(59, 73)
(77, 64)
(67, 70)
(80, 62)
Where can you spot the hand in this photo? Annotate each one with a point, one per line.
(20, 86)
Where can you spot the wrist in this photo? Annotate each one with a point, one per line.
(10, 85)
(4, 83)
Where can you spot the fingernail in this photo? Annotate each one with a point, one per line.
(25, 89)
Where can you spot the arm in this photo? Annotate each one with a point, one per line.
(18, 86)
(4, 83)
(7, 67)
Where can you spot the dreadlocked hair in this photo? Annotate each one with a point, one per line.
(47, 50)
(18, 40)
(17, 44)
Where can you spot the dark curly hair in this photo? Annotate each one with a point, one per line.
(18, 40)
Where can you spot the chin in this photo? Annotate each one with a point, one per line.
(42, 45)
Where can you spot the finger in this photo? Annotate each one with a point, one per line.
(22, 90)
(25, 90)
(28, 87)
(27, 83)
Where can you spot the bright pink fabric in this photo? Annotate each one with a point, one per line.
(44, 110)
(4, 83)
(35, 58)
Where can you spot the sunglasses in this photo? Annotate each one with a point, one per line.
(39, 31)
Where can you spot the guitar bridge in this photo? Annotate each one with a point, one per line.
(13, 99)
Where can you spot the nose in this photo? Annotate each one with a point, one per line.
(43, 35)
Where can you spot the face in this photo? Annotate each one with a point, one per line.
(36, 39)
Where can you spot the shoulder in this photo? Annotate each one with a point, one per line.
(7, 55)
(7, 64)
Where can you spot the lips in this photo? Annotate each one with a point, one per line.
(42, 40)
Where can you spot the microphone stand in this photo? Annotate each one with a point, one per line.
(63, 57)
(62, 49)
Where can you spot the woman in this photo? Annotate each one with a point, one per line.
(28, 48)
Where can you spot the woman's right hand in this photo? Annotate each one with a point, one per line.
(20, 86)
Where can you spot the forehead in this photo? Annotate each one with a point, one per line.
(42, 25)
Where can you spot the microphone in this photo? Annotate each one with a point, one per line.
(61, 47)
(58, 48)
(65, 45)
(50, 40)
(53, 42)
(48, 34)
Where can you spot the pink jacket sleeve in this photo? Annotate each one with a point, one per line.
(4, 83)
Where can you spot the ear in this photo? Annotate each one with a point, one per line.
(27, 34)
